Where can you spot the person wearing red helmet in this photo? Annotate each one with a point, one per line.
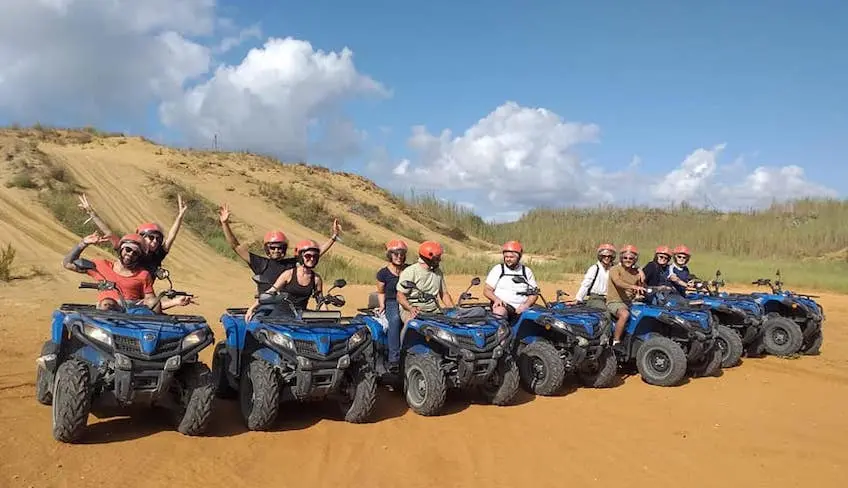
(679, 272)
(593, 288)
(657, 272)
(301, 282)
(387, 280)
(428, 278)
(502, 291)
(625, 282)
(134, 282)
(158, 246)
(275, 243)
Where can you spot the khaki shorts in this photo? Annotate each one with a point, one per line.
(614, 307)
(596, 301)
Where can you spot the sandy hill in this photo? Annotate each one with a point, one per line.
(129, 180)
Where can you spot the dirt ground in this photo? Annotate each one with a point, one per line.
(768, 422)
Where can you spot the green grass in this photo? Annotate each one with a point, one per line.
(201, 217)
(302, 207)
(331, 267)
(7, 258)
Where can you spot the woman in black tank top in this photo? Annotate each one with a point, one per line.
(291, 280)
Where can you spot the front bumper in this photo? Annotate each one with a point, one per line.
(315, 377)
(131, 380)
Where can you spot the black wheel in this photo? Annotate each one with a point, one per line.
(813, 345)
(360, 395)
(502, 386)
(259, 395)
(424, 384)
(541, 368)
(599, 372)
(195, 391)
(709, 365)
(781, 336)
(661, 362)
(220, 364)
(44, 380)
(730, 343)
(71, 401)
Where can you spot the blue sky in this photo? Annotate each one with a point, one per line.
(660, 80)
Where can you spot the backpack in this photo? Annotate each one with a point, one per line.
(597, 270)
(503, 273)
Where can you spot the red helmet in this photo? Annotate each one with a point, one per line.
(606, 247)
(396, 245)
(305, 245)
(149, 228)
(133, 240)
(276, 236)
(430, 250)
(681, 249)
(629, 248)
(663, 250)
(513, 246)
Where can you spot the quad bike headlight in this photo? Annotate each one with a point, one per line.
(97, 334)
(193, 339)
(357, 338)
(279, 339)
(563, 326)
(443, 335)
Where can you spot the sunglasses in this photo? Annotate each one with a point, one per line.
(681, 256)
(607, 256)
(398, 253)
(275, 248)
(310, 256)
(129, 250)
(153, 237)
(663, 257)
(628, 258)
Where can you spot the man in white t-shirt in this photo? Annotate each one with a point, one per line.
(500, 288)
(593, 289)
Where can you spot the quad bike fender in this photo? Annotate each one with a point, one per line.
(530, 339)
(268, 355)
(411, 337)
(234, 329)
(57, 327)
(419, 349)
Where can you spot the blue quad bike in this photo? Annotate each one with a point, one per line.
(793, 320)
(554, 340)
(97, 359)
(666, 343)
(283, 354)
(792, 324)
(463, 348)
(740, 319)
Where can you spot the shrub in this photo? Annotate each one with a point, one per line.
(7, 257)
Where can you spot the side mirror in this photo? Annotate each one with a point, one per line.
(475, 281)
(162, 273)
(340, 283)
(465, 296)
(84, 264)
(518, 279)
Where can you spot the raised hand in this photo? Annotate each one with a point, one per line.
(224, 213)
(337, 227)
(181, 207)
(83, 204)
(94, 238)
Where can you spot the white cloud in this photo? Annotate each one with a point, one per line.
(268, 102)
(88, 59)
(517, 155)
(230, 42)
(701, 179)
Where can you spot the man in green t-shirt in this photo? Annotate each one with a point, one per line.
(428, 278)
